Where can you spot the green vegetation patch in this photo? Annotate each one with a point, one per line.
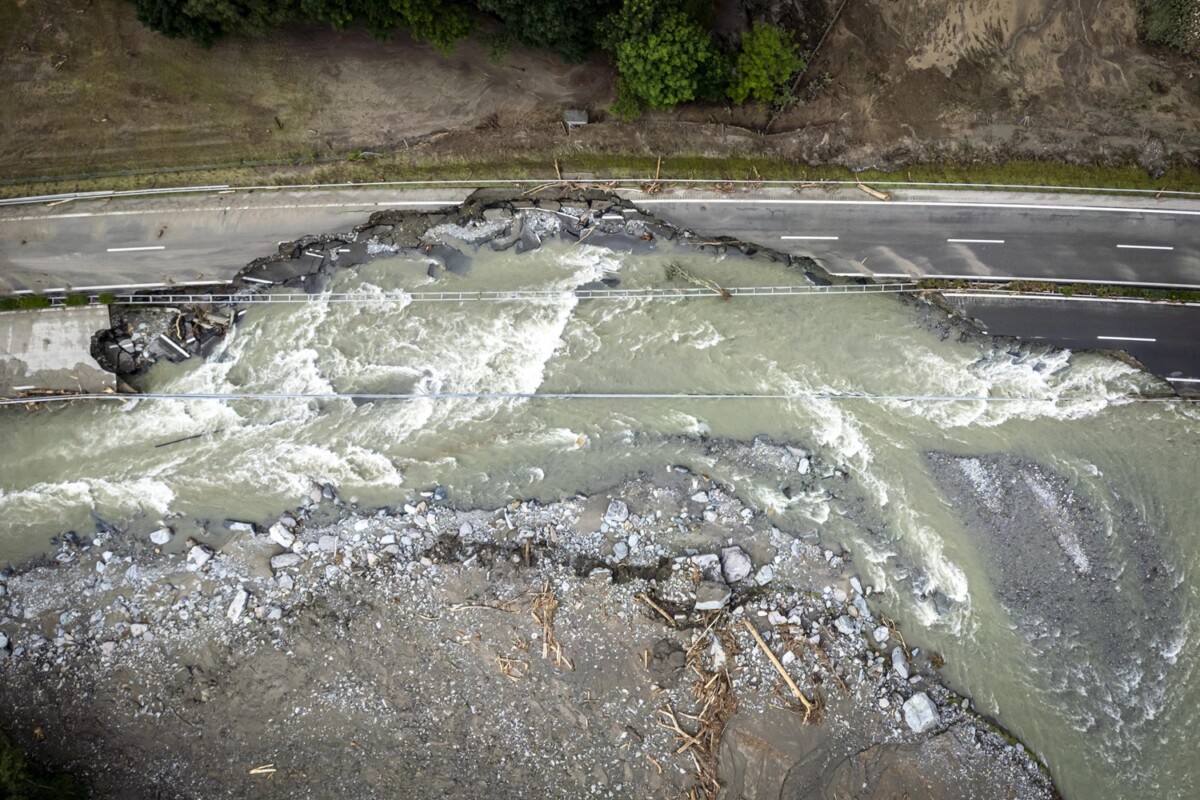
(1071, 290)
(1172, 22)
(400, 166)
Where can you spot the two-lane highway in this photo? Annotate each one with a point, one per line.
(93, 245)
(1069, 239)
(1165, 338)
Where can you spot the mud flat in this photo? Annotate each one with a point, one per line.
(627, 644)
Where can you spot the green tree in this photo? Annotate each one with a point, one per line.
(547, 24)
(664, 56)
(768, 59)
(442, 24)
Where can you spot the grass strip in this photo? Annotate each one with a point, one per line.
(1067, 290)
(400, 166)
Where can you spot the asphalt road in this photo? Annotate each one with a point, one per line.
(1066, 238)
(94, 245)
(1165, 338)
(208, 237)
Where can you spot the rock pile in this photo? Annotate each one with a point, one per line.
(560, 640)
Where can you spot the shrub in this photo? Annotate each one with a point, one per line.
(764, 67)
(33, 301)
(75, 300)
(107, 298)
(664, 58)
(1172, 22)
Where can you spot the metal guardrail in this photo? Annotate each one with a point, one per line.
(512, 295)
(860, 397)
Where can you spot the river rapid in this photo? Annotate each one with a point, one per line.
(1078, 642)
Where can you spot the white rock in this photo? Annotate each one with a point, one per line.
(410, 509)
(846, 625)
(700, 497)
(900, 663)
(388, 539)
(710, 515)
(716, 655)
(161, 536)
(617, 512)
(775, 618)
(709, 565)
(361, 524)
(465, 529)
(920, 713)
(711, 596)
(327, 543)
(138, 629)
(285, 582)
(882, 634)
(197, 557)
(855, 584)
(765, 574)
(804, 466)
(238, 606)
(285, 560)
(735, 563)
(281, 536)
(787, 658)
(839, 595)
(107, 648)
(620, 550)
(274, 613)
(884, 702)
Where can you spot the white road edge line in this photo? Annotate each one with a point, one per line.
(803, 238)
(135, 249)
(1125, 339)
(1143, 247)
(976, 241)
(1005, 278)
(1176, 380)
(949, 204)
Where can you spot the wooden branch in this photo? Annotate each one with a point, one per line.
(809, 706)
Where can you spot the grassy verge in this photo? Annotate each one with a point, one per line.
(404, 167)
(1072, 290)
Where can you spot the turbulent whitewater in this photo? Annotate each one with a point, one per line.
(1101, 690)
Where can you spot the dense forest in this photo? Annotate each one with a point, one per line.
(662, 48)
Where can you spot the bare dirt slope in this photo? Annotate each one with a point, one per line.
(1028, 75)
(90, 90)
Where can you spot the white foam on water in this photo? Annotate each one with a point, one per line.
(1079, 386)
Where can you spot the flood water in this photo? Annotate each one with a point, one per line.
(1107, 723)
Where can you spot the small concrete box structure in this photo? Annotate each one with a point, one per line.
(574, 118)
(51, 349)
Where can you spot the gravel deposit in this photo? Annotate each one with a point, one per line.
(537, 650)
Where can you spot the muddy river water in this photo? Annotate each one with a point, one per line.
(1086, 658)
